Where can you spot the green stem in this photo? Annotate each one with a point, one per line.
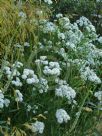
(80, 110)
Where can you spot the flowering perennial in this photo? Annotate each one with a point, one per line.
(55, 71)
(62, 116)
(38, 127)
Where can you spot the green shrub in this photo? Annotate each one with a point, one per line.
(92, 9)
(50, 75)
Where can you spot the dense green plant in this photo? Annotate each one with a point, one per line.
(92, 9)
(50, 74)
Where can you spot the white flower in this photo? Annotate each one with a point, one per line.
(6, 102)
(48, 1)
(43, 84)
(15, 72)
(39, 12)
(52, 69)
(54, 64)
(29, 108)
(22, 14)
(98, 0)
(89, 74)
(29, 76)
(1, 95)
(34, 111)
(26, 44)
(55, 71)
(43, 57)
(42, 60)
(1, 103)
(24, 76)
(38, 127)
(18, 64)
(17, 82)
(1, 99)
(7, 71)
(41, 91)
(98, 95)
(59, 15)
(83, 21)
(100, 39)
(64, 22)
(37, 61)
(18, 96)
(49, 27)
(65, 91)
(61, 36)
(18, 45)
(62, 50)
(26, 72)
(62, 116)
(70, 45)
(30, 80)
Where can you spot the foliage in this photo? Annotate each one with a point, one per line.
(92, 9)
(50, 74)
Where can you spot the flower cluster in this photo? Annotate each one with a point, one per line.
(48, 1)
(43, 85)
(17, 82)
(29, 76)
(3, 101)
(52, 69)
(22, 15)
(64, 90)
(38, 127)
(43, 60)
(83, 21)
(49, 27)
(13, 70)
(63, 59)
(18, 96)
(62, 116)
(88, 74)
(98, 95)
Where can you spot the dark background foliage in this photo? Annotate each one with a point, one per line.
(76, 8)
